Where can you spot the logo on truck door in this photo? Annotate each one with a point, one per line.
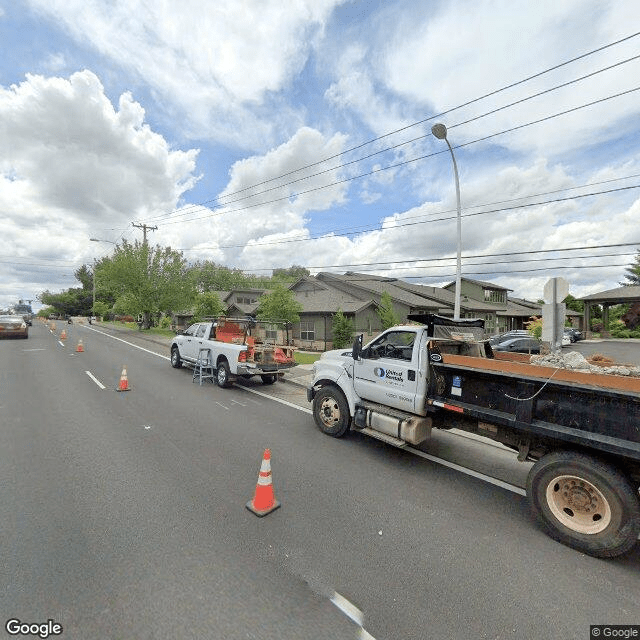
(389, 374)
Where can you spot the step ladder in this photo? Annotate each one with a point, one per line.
(203, 368)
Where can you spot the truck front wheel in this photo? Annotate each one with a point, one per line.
(176, 362)
(584, 503)
(331, 411)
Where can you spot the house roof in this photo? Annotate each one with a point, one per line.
(446, 298)
(486, 285)
(520, 309)
(367, 284)
(615, 296)
(330, 300)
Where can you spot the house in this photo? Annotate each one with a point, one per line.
(320, 301)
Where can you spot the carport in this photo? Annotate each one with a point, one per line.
(610, 298)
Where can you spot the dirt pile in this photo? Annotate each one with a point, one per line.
(577, 362)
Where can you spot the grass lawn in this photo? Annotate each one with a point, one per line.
(306, 358)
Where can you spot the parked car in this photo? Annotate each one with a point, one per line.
(12, 326)
(574, 334)
(521, 344)
(516, 333)
(566, 339)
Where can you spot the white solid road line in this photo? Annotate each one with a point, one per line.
(446, 463)
(469, 472)
(153, 353)
(95, 380)
(353, 613)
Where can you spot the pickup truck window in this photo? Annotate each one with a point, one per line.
(397, 345)
(201, 331)
(191, 331)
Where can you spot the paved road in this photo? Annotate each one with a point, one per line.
(124, 517)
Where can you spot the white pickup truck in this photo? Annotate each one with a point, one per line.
(235, 347)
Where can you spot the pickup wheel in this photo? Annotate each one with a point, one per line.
(269, 378)
(331, 411)
(176, 361)
(223, 374)
(584, 503)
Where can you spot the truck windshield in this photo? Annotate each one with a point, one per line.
(393, 344)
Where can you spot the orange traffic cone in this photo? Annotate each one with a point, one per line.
(264, 501)
(79, 348)
(63, 335)
(124, 382)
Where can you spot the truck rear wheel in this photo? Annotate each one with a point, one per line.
(584, 503)
(331, 411)
(223, 374)
(269, 378)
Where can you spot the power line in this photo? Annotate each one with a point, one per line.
(362, 228)
(414, 124)
(407, 142)
(410, 161)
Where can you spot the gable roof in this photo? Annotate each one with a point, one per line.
(416, 296)
(484, 285)
(615, 296)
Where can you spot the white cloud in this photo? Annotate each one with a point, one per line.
(71, 164)
(216, 62)
(253, 217)
(467, 50)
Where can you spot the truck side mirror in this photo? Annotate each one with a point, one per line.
(357, 348)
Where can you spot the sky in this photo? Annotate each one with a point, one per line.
(261, 134)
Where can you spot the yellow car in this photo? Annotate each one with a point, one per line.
(13, 327)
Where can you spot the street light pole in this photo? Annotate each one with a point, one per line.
(440, 132)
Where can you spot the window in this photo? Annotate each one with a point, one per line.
(394, 344)
(493, 295)
(271, 332)
(307, 330)
(201, 330)
(191, 331)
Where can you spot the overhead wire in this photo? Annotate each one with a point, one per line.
(407, 142)
(417, 123)
(355, 230)
(406, 162)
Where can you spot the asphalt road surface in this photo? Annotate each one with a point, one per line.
(124, 516)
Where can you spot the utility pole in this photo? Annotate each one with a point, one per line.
(144, 228)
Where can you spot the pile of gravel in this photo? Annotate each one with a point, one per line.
(577, 362)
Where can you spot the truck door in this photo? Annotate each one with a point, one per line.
(387, 370)
(188, 346)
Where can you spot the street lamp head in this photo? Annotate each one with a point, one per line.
(94, 240)
(439, 131)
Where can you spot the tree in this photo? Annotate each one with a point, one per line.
(633, 273)
(573, 304)
(146, 280)
(342, 328)
(279, 304)
(388, 317)
(207, 305)
(292, 274)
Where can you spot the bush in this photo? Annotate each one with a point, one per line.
(165, 322)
